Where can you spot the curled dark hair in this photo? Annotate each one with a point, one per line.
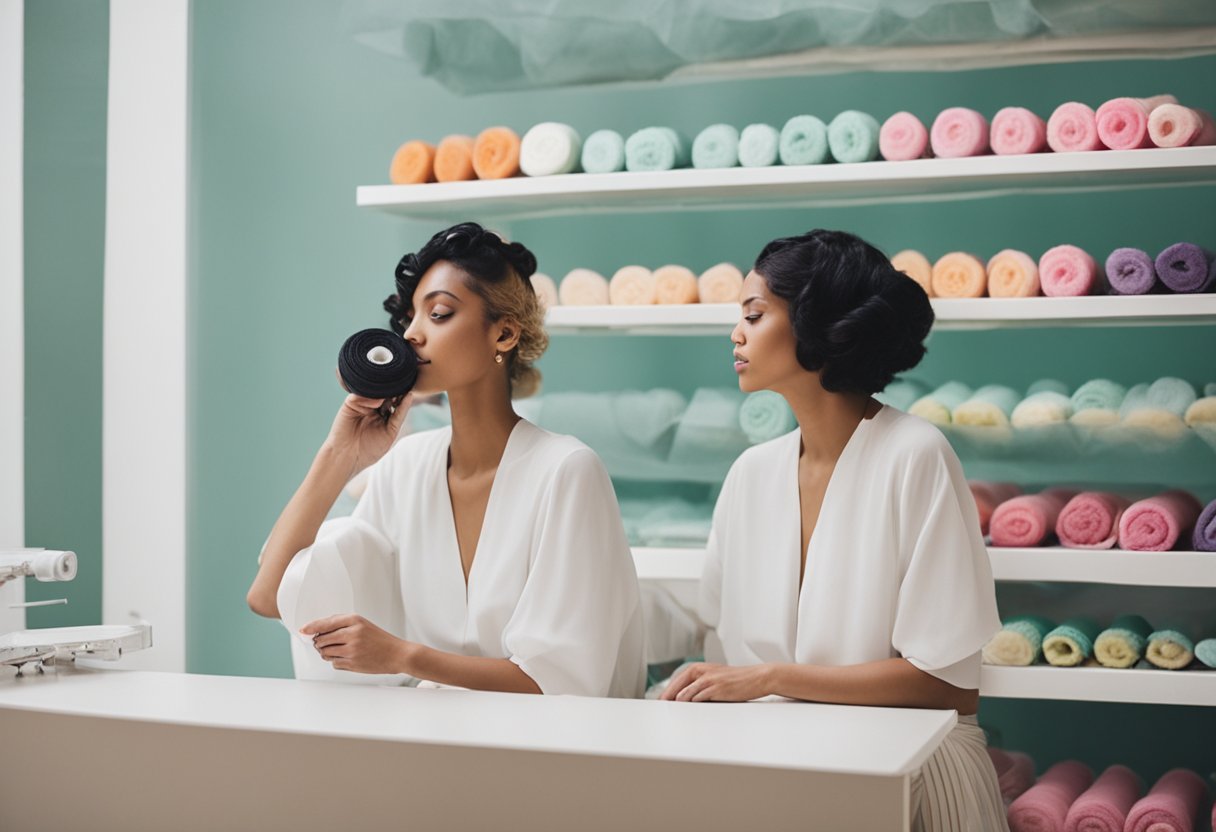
(857, 321)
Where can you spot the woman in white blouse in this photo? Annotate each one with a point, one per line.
(505, 563)
(845, 563)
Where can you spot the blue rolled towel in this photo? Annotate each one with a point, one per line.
(1122, 644)
(1170, 650)
(656, 148)
(1019, 642)
(1205, 651)
(758, 146)
(765, 415)
(853, 137)
(804, 141)
(1096, 403)
(1160, 406)
(902, 393)
(604, 152)
(1071, 643)
(717, 146)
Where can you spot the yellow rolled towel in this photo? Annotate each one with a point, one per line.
(959, 275)
(546, 290)
(1013, 274)
(675, 284)
(938, 406)
(916, 266)
(1202, 412)
(1170, 650)
(720, 284)
(991, 406)
(583, 287)
(632, 286)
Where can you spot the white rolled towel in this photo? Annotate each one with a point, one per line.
(632, 286)
(583, 287)
(546, 290)
(550, 148)
(720, 284)
(1046, 407)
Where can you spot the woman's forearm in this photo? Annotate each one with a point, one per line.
(473, 672)
(886, 683)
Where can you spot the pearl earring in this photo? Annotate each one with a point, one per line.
(497, 358)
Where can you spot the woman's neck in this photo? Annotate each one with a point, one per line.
(826, 420)
(482, 421)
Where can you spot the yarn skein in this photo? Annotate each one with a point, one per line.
(377, 364)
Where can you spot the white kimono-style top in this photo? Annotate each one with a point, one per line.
(896, 565)
(552, 586)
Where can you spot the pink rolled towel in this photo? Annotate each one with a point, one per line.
(903, 137)
(1123, 124)
(1091, 520)
(1172, 125)
(1104, 805)
(1171, 806)
(958, 131)
(1029, 519)
(989, 495)
(1158, 523)
(1073, 127)
(1067, 272)
(1017, 130)
(1014, 773)
(1044, 806)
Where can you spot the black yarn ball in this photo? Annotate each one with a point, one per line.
(377, 364)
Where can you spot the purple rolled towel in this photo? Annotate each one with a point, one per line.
(1185, 268)
(1129, 271)
(1204, 537)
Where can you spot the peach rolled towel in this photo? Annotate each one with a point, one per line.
(1014, 773)
(1158, 523)
(1073, 127)
(1016, 130)
(1044, 806)
(1067, 272)
(989, 495)
(720, 284)
(1123, 123)
(454, 159)
(959, 275)
(675, 284)
(546, 290)
(413, 164)
(496, 153)
(903, 137)
(632, 286)
(1172, 125)
(916, 266)
(1172, 805)
(1090, 520)
(1028, 520)
(583, 287)
(1104, 805)
(957, 132)
(1013, 274)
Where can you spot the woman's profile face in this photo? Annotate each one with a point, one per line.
(764, 341)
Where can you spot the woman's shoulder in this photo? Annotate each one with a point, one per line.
(545, 450)
(907, 438)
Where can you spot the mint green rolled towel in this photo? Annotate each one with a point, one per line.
(656, 148)
(1019, 642)
(1096, 403)
(604, 152)
(990, 406)
(938, 406)
(1071, 643)
(1169, 650)
(902, 393)
(1122, 644)
(1205, 651)
(804, 141)
(853, 137)
(765, 415)
(1047, 407)
(1047, 385)
(1161, 406)
(759, 146)
(1209, 389)
(717, 146)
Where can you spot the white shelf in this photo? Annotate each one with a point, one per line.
(1100, 684)
(921, 180)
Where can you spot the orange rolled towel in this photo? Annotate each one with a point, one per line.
(583, 287)
(720, 284)
(632, 286)
(959, 275)
(675, 284)
(454, 159)
(496, 153)
(916, 266)
(546, 290)
(1013, 274)
(413, 164)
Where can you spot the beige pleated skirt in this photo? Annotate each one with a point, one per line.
(956, 789)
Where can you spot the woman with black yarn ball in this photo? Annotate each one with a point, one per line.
(845, 563)
(512, 563)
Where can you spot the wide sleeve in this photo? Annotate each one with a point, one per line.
(709, 599)
(946, 608)
(577, 626)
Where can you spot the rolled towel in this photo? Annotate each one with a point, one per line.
(958, 132)
(413, 164)
(989, 406)
(1013, 274)
(1202, 412)
(1169, 650)
(632, 286)
(1205, 651)
(604, 152)
(1123, 124)
(656, 148)
(1123, 643)
(1016, 130)
(1104, 805)
(959, 275)
(1172, 125)
(550, 148)
(1209, 389)
(1028, 520)
(1172, 805)
(1090, 520)
(1204, 537)
(765, 415)
(759, 146)
(717, 146)
(1071, 643)
(546, 290)
(1073, 127)
(1014, 773)
(1019, 642)
(916, 266)
(454, 159)
(1044, 806)
(1096, 403)
(1047, 385)
(1067, 272)
(939, 405)
(989, 495)
(1160, 406)
(901, 393)
(1130, 271)
(583, 287)
(496, 153)
(903, 137)
(853, 137)
(1040, 409)
(720, 284)
(1186, 268)
(804, 141)
(675, 284)
(1159, 523)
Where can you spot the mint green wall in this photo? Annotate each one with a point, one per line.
(66, 58)
(288, 116)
